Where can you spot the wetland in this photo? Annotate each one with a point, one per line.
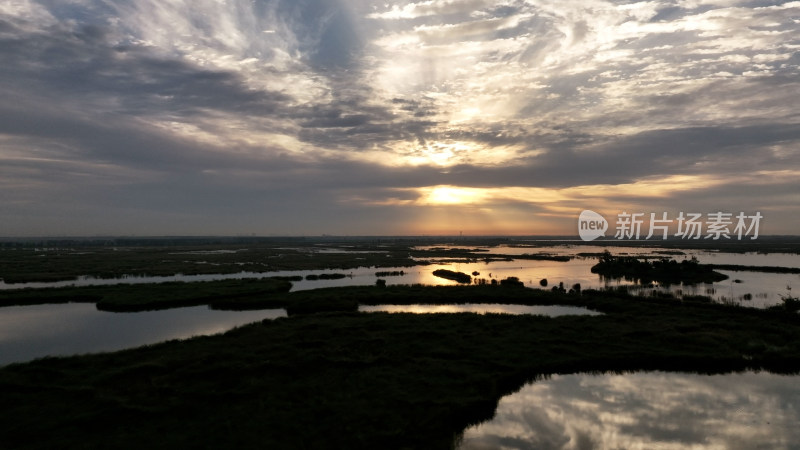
(412, 363)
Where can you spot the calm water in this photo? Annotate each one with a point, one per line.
(765, 289)
(646, 411)
(29, 332)
(549, 311)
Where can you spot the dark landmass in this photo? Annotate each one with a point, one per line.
(392, 273)
(474, 255)
(661, 270)
(65, 263)
(731, 267)
(448, 251)
(765, 269)
(789, 304)
(326, 276)
(460, 277)
(222, 294)
(559, 258)
(370, 380)
(251, 294)
(512, 281)
(764, 244)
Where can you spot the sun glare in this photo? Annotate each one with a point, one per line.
(450, 195)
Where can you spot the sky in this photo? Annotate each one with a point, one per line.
(357, 117)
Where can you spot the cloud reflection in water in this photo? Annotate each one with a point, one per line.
(646, 410)
(28, 332)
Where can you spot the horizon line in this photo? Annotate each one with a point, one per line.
(377, 236)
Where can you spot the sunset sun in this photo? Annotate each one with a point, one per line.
(451, 195)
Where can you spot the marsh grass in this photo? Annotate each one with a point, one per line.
(154, 296)
(763, 269)
(370, 380)
(66, 261)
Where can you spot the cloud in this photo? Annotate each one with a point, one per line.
(430, 8)
(360, 107)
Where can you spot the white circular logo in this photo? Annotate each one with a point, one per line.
(591, 225)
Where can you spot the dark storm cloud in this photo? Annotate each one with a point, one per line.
(48, 74)
(84, 63)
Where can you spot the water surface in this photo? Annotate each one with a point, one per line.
(646, 411)
(29, 332)
(484, 308)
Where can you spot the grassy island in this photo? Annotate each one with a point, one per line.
(460, 277)
(664, 271)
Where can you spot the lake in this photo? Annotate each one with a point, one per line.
(647, 410)
(29, 332)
